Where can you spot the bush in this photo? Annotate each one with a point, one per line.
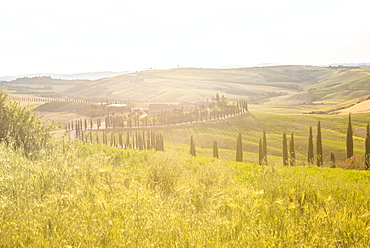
(20, 128)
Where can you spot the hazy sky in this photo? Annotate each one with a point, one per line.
(70, 36)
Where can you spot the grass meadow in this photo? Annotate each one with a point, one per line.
(84, 195)
(252, 124)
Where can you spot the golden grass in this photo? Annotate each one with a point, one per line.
(94, 196)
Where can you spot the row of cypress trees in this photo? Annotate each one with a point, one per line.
(289, 155)
(149, 140)
(319, 153)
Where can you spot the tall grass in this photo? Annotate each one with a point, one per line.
(84, 195)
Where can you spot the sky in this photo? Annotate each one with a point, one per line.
(76, 36)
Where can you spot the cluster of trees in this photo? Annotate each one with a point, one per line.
(20, 128)
(138, 118)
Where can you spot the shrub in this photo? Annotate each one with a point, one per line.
(20, 128)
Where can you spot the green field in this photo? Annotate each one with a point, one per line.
(82, 195)
(251, 125)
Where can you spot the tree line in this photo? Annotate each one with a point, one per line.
(288, 148)
(138, 118)
(141, 140)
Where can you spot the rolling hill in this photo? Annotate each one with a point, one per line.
(191, 84)
(304, 88)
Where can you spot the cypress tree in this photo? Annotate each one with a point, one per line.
(349, 142)
(127, 145)
(264, 143)
(111, 139)
(144, 141)
(138, 141)
(215, 149)
(310, 155)
(153, 139)
(192, 147)
(260, 153)
(120, 140)
(239, 149)
(292, 150)
(332, 160)
(285, 150)
(319, 155)
(367, 148)
(157, 142)
(162, 143)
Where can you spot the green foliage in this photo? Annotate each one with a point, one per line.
(285, 150)
(332, 160)
(260, 153)
(20, 128)
(310, 153)
(319, 155)
(239, 149)
(192, 147)
(292, 158)
(264, 145)
(349, 140)
(215, 149)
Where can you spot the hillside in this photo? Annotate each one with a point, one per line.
(190, 84)
(343, 86)
(304, 88)
(40, 86)
(251, 126)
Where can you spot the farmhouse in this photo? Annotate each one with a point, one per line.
(154, 109)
